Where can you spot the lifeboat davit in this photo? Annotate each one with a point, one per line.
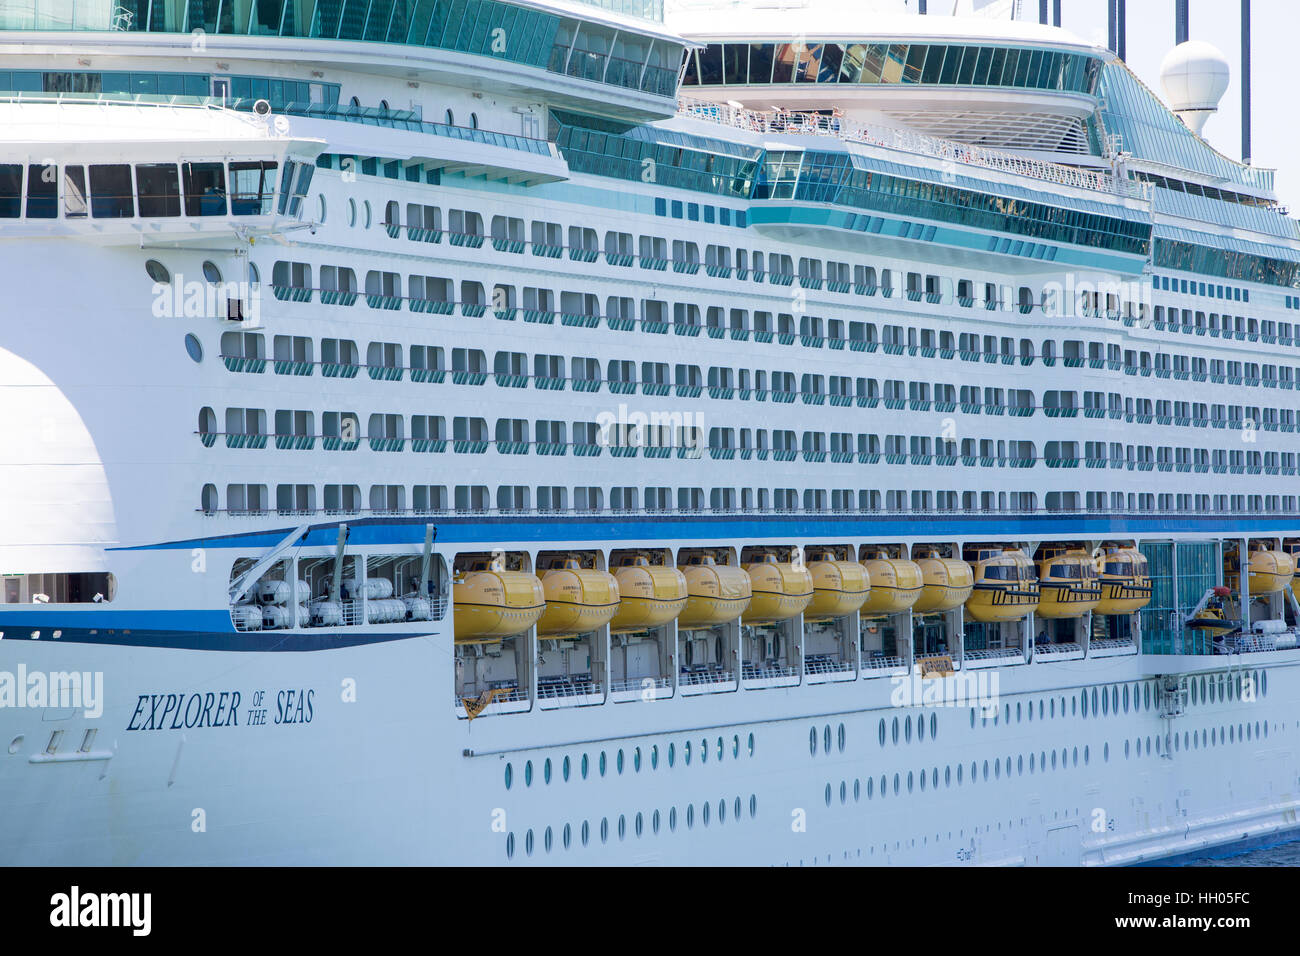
(780, 590)
(1124, 580)
(717, 593)
(896, 584)
(1006, 588)
(839, 587)
(947, 583)
(649, 595)
(1270, 572)
(493, 605)
(578, 599)
(1067, 585)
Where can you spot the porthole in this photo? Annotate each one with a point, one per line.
(352, 213)
(719, 748)
(997, 769)
(672, 819)
(510, 846)
(1053, 759)
(586, 765)
(654, 822)
(686, 753)
(510, 775)
(751, 745)
(947, 776)
(672, 754)
(654, 757)
(1020, 765)
(602, 763)
(907, 730)
(1094, 700)
(365, 205)
(923, 781)
(844, 793)
(898, 784)
(528, 842)
(586, 832)
(735, 746)
(826, 739)
(1083, 704)
(451, 118)
(528, 774)
(986, 770)
(158, 272)
(812, 741)
(705, 811)
(753, 805)
(604, 829)
(254, 277)
(920, 727)
(828, 794)
(1126, 697)
(546, 839)
(882, 728)
(704, 751)
(193, 347)
(568, 836)
(934, 726)
(857, 790)
(639, 825)
(909, 781)
(1053, 707)
(840, 738)
(546, 770)
(972, 717)
(618, 760)
(622, 827)
(320, 207)
(473, 121)
(959, 774)
(1032, 764)
(1105, 753)
(567, 766)
(636, 760)
(895, 731)
(690, 816)
(871, 787)
(722, 812)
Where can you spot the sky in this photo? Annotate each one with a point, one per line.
(1275, 29)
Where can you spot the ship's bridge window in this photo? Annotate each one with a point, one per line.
(252, 188)
(42, 191)
(205, 188)
(11, 190)
(159, 189)
(110, 192)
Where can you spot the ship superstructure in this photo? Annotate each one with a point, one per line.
(533, 432)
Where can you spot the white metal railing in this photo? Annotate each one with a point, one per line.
(882, 662)
(1065, 647)
(639, 683)
(820, 665)
(992, 653)
(889, 137)
(698, 678)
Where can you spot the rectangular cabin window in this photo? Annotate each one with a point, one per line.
(111, 196)
(11, 191)
(205, 189)
(74, 192)
(42, 191)
(159, 188)
(252, 188)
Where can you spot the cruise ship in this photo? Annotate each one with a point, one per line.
(553, 432)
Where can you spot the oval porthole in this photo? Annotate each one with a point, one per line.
(193, 347)
(254, 277)
(158, 272)
(211, 272)
(352, 212)
(366, 208)
(320, 200)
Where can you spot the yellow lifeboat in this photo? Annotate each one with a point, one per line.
(649, 595)
(896, 585)
(1125, 582)
(1270, 571)
(717, 593)
(1213, 620)
(1067, 585)
(839, 587)
(780, 590)
(492, 605)
(948, 582)
(578, 599)
(1006, 588)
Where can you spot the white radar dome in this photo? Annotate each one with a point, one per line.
(1195, 77)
